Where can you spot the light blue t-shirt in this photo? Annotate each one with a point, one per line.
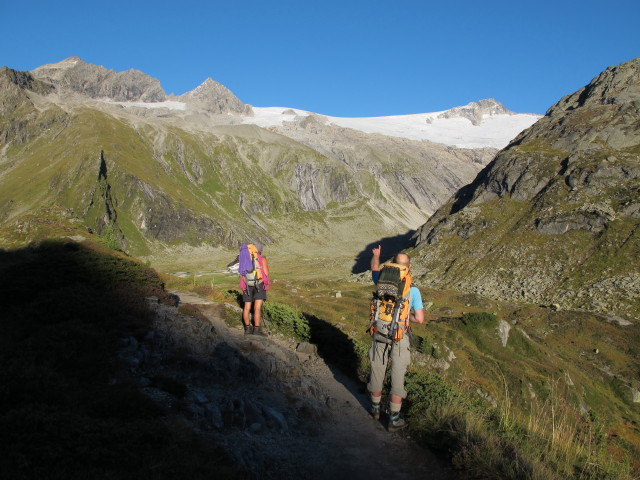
(415, 299)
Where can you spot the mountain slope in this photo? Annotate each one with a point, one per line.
(84, 142)
(555, 217)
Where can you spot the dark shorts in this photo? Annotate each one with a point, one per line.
(254, 293)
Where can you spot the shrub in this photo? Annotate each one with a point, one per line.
(109, 238)
(475, 324)
(285, 319)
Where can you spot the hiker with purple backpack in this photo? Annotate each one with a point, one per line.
(254, 283)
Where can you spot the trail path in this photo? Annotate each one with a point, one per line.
(343, 442)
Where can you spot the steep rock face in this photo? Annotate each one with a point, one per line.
(215, 98)
(17, 81)
(317, 186)
(97, 82)
(555, 216)
(406, 179)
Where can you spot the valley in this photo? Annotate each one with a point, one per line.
(524, 244)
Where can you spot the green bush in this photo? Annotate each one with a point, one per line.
(426, 391)
(475, 325)
(109, 238)
(286, 320)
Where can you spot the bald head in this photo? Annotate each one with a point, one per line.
(403, 259)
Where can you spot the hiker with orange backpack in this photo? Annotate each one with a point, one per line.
(254, 283)
(396, 302)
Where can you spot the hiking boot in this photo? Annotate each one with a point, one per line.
(257, 330)
(396, 422)
(248, 329)
(375, 411)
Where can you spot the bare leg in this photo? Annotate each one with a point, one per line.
(246, 311)
(257, 312)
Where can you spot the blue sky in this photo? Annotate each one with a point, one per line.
(340, 58)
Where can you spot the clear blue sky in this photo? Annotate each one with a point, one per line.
(350, 58)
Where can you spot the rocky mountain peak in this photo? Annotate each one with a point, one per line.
(65, 64)
(603, 114)
(615, 86)
(476, 111)
(77, 76)
(208, 83)
(215, 98)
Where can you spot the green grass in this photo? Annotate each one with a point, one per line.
(285, 319)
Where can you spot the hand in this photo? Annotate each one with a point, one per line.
(376, 251)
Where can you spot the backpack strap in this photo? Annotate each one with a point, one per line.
(265, 276)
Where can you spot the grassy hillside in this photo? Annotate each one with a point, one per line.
(155, 185)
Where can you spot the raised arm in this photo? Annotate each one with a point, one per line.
(375, 259)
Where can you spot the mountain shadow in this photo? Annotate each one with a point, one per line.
(390, 247)
(67, 410)
(334, 346)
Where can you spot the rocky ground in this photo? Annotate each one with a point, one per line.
(274, 404)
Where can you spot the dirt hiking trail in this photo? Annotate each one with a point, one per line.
(330, 433)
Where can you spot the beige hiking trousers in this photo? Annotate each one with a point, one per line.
(380, 360)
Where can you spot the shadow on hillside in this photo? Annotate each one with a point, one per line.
(335, 348)
(463, 196)
(338, 352)
(67, 404)
(390, 246)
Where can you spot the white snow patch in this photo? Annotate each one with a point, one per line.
(495, 131)
(170, 105)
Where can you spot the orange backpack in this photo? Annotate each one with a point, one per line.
(254, 275)
(390, 304)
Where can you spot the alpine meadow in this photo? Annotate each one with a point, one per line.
(123, 352)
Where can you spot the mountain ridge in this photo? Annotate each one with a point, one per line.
(135, 89)
(179, 176)
(95, 81)
(554, 217)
